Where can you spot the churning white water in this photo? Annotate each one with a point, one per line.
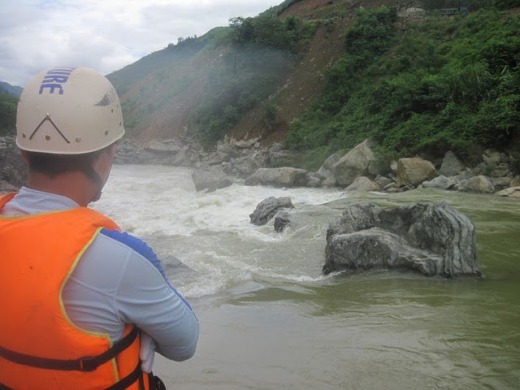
(270, 319)
(210, 234)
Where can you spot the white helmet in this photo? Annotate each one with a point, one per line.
(68, 110)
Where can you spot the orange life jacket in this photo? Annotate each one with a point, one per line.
(40, 347)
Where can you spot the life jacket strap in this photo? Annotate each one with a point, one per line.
(125, 382)
(81, 364)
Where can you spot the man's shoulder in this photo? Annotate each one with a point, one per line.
(130, 241)
(135, 244)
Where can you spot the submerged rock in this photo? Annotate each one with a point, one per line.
(267, 209)
(278, 177)
(210, 178)
(433, 239)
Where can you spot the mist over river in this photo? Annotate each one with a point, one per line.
(271, 320)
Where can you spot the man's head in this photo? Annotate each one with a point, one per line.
(67, 110)
(67, 118)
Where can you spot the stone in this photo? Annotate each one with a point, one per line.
(451, 165)
(168, 146)
(363, 184)
(512, 192)
(354, 164)
(327, 168)
(414, 171)
(480, 184)
(210, 178)
(441, 182)
(433, 239)
(267, 209)
(278, 177)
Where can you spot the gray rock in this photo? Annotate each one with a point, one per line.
(327, 168)
(226, 151)
(354, 164)
(383, 181)
(281, 221)
(210, 178)
(480, 184)
(441, 182)
(414, 171)
(267, 209)
(363, 184)
(493, 158)
(433, 239)
(500, 170)
(167, 146)
(501, 183)
(278, 177)
(451, 165)
(512, 192)
(313, 180)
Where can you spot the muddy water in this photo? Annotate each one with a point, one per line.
(271, 320)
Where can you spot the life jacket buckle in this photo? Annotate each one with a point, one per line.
(88, 364)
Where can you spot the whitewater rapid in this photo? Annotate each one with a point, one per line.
(206, 240)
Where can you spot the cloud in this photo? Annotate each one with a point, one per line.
(104, 35)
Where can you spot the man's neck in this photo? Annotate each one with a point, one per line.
(73, 185)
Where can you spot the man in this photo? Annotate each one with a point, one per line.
(83, 304)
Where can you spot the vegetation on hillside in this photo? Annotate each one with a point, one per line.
(262, 51)
(416, 85)
(7, 113)
(421, 87)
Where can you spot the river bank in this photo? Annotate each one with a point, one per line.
(357, 170)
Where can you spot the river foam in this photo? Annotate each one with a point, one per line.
(211, 232)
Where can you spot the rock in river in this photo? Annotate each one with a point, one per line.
(434, 239)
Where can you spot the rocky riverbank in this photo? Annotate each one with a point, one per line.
(360, 169)
(12, 169)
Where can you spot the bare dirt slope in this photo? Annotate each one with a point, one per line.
(163, 101)
(307, 80)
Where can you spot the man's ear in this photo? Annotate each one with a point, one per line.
(25, 157)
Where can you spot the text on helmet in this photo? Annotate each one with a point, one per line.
(54, 79)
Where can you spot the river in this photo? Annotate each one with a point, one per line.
(271, 320)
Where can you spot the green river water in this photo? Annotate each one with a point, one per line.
(276, 323)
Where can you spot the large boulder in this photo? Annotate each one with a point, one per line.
(451, 165)
(355, 163)
(442, 182)
(434, 239)
(210, 178)
(480, 184)
(163, 146)
(414, 171)
(326, 171)
(363, 184)
(278, 177)
(268, 208)
(512, 192)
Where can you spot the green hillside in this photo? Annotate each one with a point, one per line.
(324, 75)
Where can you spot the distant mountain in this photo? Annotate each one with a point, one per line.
(10, 89)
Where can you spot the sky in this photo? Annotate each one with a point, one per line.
(105, 35)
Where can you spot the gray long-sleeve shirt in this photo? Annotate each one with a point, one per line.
(120, 281)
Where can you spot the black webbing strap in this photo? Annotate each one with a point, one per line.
(82, 364)
(122, 384)
(129, 379)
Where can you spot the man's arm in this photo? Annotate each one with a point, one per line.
(119, 281)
